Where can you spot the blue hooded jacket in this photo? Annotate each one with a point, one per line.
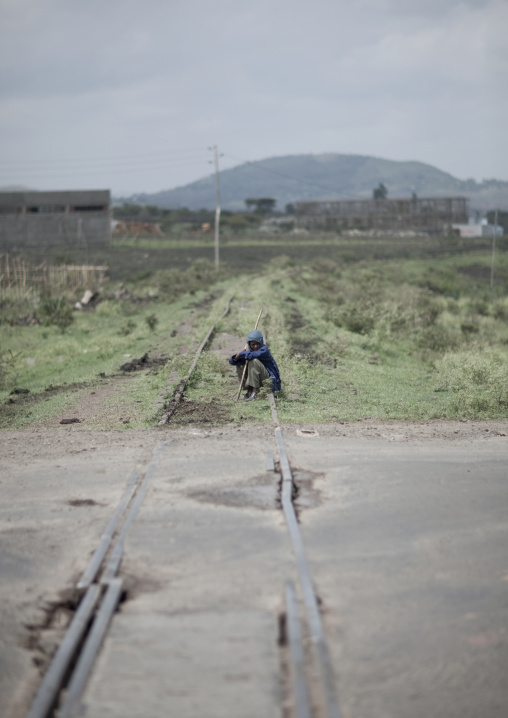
(264, 356)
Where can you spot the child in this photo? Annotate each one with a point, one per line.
(261, 365)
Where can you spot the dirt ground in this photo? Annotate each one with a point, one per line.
(60, 483)
(23, 445)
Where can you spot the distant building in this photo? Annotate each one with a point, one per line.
(433, 215)
(482, 229)
(35, 220)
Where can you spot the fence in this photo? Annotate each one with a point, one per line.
(19, 279)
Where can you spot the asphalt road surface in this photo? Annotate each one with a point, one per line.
(406, 540)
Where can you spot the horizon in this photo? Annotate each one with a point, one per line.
(127, 196)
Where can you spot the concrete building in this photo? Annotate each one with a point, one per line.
(481, 229)
(43, 220)
(431, 214)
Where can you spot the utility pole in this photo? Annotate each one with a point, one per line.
(217, 205)
(493, 252)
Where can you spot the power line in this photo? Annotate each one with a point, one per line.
(118, 164)
(281, 174)
(107, 164)
(55, 173)
(201, 150)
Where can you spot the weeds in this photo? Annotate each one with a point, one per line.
(152, 321)
(380, 339)
(17, 312)
(173, 283)
(438, 338)
(7, 366)
(476, 381)
(57, 311)
(127, 329)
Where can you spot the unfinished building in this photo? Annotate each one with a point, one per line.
(432, 215)
(43, 220)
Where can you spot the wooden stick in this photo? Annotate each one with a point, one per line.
(247, 362)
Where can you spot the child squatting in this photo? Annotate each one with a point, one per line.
(261, 366)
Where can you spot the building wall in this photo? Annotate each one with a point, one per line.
(427, 214)
(35, 220)
(478, 230)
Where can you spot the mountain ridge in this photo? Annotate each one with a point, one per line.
(328, 176)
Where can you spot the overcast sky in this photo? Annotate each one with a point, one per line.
(129, 95)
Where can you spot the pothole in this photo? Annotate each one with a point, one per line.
(307, 497)
(261, 493)
(43, 638)
(84, 502)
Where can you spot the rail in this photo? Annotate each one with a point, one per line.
(181, 387)
(101, 589)
(61, 666)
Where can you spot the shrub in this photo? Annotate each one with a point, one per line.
(482, 307)
(470, 326)
(127, 328)
(442, 281)
(7, 366)
(429, 308)
(108, 308)
(173, 283)
(324, 265)
(57, 311)
(500, 309)
(452, 306)
(477, 381)
(17, 312)
(152, 321)
(359, 319)
(438, 338)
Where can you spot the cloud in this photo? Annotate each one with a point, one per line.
(401, 78)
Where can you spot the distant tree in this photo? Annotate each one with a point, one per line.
(127, 211)
(266, 204)
(380, 192)
(290, 208)
(263, 205)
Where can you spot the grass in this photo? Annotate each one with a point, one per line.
(132, 260)
(405, 336)
(476, 382)
(57, 366)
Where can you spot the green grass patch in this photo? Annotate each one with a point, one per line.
(368, 341)
(415, 336)
(56, 366)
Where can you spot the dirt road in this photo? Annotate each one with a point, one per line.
(405, 528)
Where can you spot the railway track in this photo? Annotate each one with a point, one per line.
(101, 589)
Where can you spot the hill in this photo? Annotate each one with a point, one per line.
(328, 176)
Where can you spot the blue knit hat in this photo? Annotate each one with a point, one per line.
(255, 336)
